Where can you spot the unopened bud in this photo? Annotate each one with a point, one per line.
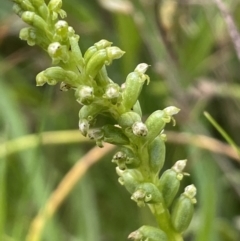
(148, 233)
(146, 193)
(61, 28)
(133, 86)
(33, 19)
(58, 52)
(139, 129)
(128, 119)
(83, 126)
(84, 95)
(183, 209)
(130, 178)
(170, 181)
(100, 58)
(112, 93)
(102, 44)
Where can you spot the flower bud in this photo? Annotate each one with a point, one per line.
(103, 80)
(33, 19)
(179, 166)
(101, 57)
(17, 9)
(41, 7)
(112, 93)
(33, 36)
(55, 7)
(96, 135)
(89, 112)
(141, 68)
(169, 182)
(170, 111)
(126, 159)
(41, 79)
(58, 52)
(157, 121)
(65, 87)
(28, 34)
(25, 5)
(133, 86)
(139, 129)
(148, 233)
(76, 52)
(102, 44)
(55, 74)
(128, 119)
(71, 31)
(146, 193)
(156, 151)
(130, 178)
(83, 126)
(37, 3)
(183, 209)
(84, 95)
(120, 159)
(190, 191)
(61, 31)
(114, 135)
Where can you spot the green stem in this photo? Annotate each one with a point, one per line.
(163, 219)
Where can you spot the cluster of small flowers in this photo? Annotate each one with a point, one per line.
(142, 156)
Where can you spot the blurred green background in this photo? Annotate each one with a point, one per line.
(194, 66)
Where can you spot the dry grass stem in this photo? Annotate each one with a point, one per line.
(203, 142)
(73, 136)
(64, 188)
(232, 28)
